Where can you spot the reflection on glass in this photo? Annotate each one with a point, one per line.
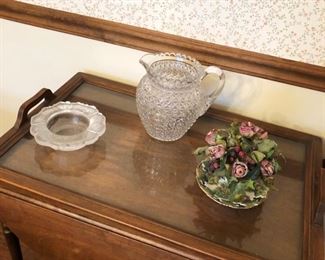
(223, 224)
(160, 165)
(73, 163)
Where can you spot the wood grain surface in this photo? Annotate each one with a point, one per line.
(228, 58)
(51, 231)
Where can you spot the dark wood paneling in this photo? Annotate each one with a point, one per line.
(232, 59)
(56, 236)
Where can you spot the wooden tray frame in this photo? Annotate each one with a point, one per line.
(99, 214)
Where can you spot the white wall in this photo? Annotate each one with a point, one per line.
(32, 58)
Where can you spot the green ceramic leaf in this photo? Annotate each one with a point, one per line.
(220, 141)
(254, 173)
(232, 179)
(200, 150)
(250, 185)
(257, 156)
(276, 166)
(213, 179)
(247, 145)
(231, 142)
(222, 133)
(220, 172)
(270, 153)
(240, 189)
(266, 146)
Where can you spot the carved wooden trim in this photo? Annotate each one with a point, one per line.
(232, 59)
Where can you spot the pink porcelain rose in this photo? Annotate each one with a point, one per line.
(216, 151)
(267, 168)
(239, 169)
(260, 132)
(247, 129)
(210, 138)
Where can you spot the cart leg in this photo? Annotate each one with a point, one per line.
(12, 243)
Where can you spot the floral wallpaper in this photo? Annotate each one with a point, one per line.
(292, 29)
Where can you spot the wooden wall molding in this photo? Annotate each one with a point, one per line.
(232, 59)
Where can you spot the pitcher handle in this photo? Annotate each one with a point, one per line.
(218, 73)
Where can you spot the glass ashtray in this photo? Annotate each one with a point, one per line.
(68, 126)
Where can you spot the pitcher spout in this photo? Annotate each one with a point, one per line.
(146, 60)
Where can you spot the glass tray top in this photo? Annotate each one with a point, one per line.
(129, 170)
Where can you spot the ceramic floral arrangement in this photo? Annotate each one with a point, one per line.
(238, 166)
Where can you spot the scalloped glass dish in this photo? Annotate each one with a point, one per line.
(68, 126)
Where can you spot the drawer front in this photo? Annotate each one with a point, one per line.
(56, 236)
